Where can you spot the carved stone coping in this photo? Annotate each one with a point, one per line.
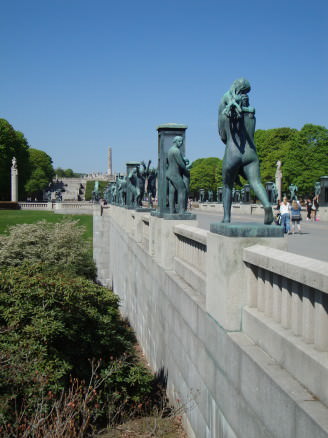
(191, 233)
(305, 270)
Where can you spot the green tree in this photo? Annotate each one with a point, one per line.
(69, 173)
(66, 173)
(42, 172)
(307, 160)
(205, 174)
(59, 172)
(273, 145)
(12, 144)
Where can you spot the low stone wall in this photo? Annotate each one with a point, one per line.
(190, 296)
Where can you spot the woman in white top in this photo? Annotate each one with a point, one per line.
(285, 215)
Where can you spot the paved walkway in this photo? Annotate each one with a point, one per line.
(312, 242)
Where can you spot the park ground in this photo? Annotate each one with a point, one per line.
(14, 217)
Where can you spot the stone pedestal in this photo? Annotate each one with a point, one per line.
(163, 240)
(166, 134)
(226, 293)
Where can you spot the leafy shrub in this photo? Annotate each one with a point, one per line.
(51, 326)
(59, 246)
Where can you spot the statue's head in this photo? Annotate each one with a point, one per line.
(241, 86)
(178, 141)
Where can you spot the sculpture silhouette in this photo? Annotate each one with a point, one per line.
(236, 129)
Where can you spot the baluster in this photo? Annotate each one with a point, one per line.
(252, 284)
(276, 292)
(285, 303)
(308, 314)
(260, 289)
(296, 310)
(321, 321)
(268, 298)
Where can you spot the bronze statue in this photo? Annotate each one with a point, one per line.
(176, 171)
(236, 129)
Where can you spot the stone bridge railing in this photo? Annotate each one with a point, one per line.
(213, 305)
(60, 206)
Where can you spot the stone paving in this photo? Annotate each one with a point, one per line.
(312, 242)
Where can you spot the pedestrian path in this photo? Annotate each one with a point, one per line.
(312, 242)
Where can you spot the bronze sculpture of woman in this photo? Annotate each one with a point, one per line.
(236, 129)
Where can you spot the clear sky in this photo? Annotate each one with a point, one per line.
(78, 76)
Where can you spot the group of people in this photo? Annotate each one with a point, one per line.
(288, 215)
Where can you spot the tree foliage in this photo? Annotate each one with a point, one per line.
(42, 172)
(303, 155)
(12, 144)
(205, 174)
(66, 173)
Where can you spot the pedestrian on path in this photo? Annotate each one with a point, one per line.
(295, 216)
(314, 209)
(285, 215)
(308, 209)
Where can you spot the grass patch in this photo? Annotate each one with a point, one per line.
(14, 217)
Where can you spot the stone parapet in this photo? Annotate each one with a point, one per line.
(189, 295)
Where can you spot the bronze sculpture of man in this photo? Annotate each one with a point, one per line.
(177, 174)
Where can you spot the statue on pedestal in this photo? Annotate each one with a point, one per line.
(293, 189)
(278, 178)
(317, 189)
(151, 184)
(95, 192)
(177, 174)
(274, 194)
(236, 129)
(121, 190)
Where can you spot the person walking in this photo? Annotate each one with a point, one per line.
(295, 216)
(308, 209)
(314, 208)
(285, 215)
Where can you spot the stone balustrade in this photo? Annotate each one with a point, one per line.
(191, 246)
(35, 205)
(287, 312)
(290, 289)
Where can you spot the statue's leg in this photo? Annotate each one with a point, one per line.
(228, 180)
(171, 197)
(252, 172)
(182, 198)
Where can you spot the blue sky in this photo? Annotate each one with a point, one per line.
(78, 76)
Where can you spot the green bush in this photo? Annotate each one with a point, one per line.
(60, 246)
(51, 326)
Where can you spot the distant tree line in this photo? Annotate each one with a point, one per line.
(303, 153)
(66, 173)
